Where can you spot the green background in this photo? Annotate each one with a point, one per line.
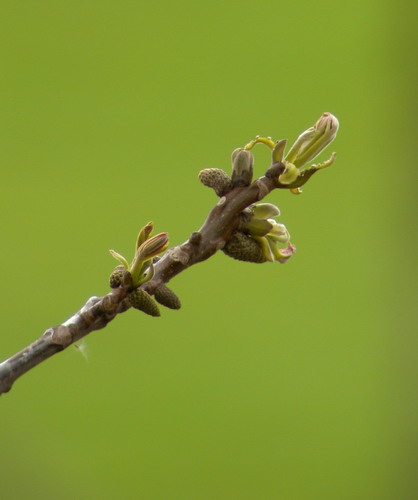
(277, 381)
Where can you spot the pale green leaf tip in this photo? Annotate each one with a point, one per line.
(119, 258)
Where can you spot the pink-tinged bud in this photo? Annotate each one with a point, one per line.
(286, 253)
(314, 140)
(153, 246)
(327, 123)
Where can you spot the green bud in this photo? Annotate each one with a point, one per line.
(167, 297)
(153, 246)
(144, 234)
(242, 167)
(302, 140)
(141, 300)
(257, 227)
(147, 250)
(265, 210)
(216, 179)
(278, 151)
(314, 140)
(243, 247)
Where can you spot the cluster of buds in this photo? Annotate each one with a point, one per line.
(259, 236)
(287, 170)
(141, 270)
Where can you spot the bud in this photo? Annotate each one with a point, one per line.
(144, 234)
(147, 250)
(314, 140)
(268, 242)
(243, 247)
(153, 246)
(265, 210)
(216, 179)
(141, 300)
(278, 233)
(278, 151)
(257, 227)
(167, 297)
(242, 167)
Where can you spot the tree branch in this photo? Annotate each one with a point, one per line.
(237, 193)
(221, 222)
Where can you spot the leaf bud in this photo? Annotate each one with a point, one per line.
(144, 234)
(265, 210)
(147, 250)
(314, 140)
(153, 246)
(257, 227)
(242, 167)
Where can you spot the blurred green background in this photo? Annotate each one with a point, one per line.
(277, 381)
